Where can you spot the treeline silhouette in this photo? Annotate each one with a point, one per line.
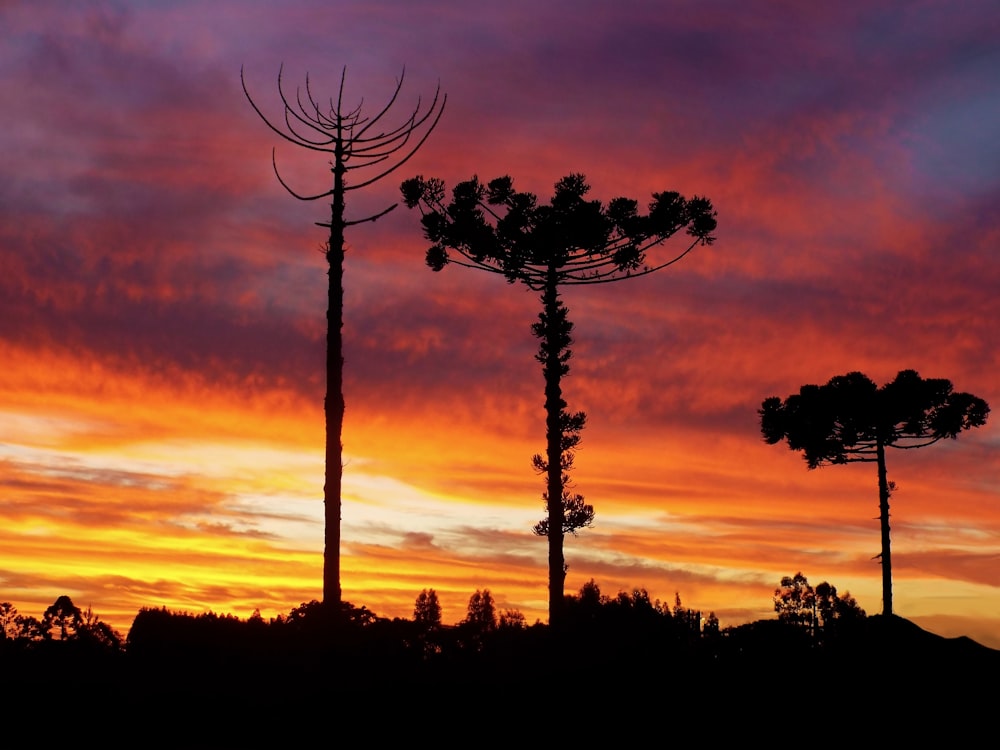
(610, 648)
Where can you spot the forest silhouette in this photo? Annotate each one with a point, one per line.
(604, 647)
(227, 677)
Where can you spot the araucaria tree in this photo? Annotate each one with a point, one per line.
(569, 241)
(851, 419)
(362, 151)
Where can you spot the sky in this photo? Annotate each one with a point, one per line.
(163, 302)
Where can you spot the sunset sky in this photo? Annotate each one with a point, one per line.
(163, 301)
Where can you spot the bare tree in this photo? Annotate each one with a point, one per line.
(364, 149)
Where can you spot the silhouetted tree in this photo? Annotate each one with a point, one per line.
(820, 610)
(427, 609)
(63, 617)
(30, 629)
(570, 241)
(95, 631)
(360, 145)
(688, 621)
(711, 629)
(845, 607)
(481, 614)
(511, 619)
(834, 610)
(795, 601)
(590, 596)
(8, 621)
(851, 419)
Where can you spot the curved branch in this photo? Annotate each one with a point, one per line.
(311, 122)
(350, 118)
(389, 136)
(373, 217)
(474, 264)
(409, 156)
(366, 162)
(300, 138)
(306, 118)
(414, 121)
(273, 127)
(385, 109)
(274, 164)
(914, 445)
(384, 143)
(619, 275)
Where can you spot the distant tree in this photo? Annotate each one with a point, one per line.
(31, 629)
(570, 241)
(8, 621)
(635, 612)
(511, 619)
(95, 631)
(833, 610)
(686, 620)
(846, 608)
(427, 609)
(590, 596)
(361, 145)
(481, 613)
(795, 601)
(711, 628)
(64, 618)
(819, 609)
(851, 419)
(826, 599)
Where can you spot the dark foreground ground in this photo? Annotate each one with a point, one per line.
(764, 682)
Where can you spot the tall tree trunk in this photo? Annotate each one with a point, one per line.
(886, 556)
(553, 346)
(333, 404)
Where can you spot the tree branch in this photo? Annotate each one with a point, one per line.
(274, 164)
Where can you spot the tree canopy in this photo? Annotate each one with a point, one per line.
(481, 614)
(495, 228)
(847, 418)
(427, 609)
(819, 609)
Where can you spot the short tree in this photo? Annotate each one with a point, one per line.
(8, 621)
(427, 609)
(362, 147)
(711, 628)
(62, 617)
(834, 610)
(95, 631)
(481, 614)
(31, 629)
(511, 619)
(819, 609)
(795, 601)
(825, 601)
(686, 620)
(570, 241)
(851, 419)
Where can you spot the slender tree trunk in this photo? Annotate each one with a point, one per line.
(886, 557)
(552, 348)
(334, 402)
